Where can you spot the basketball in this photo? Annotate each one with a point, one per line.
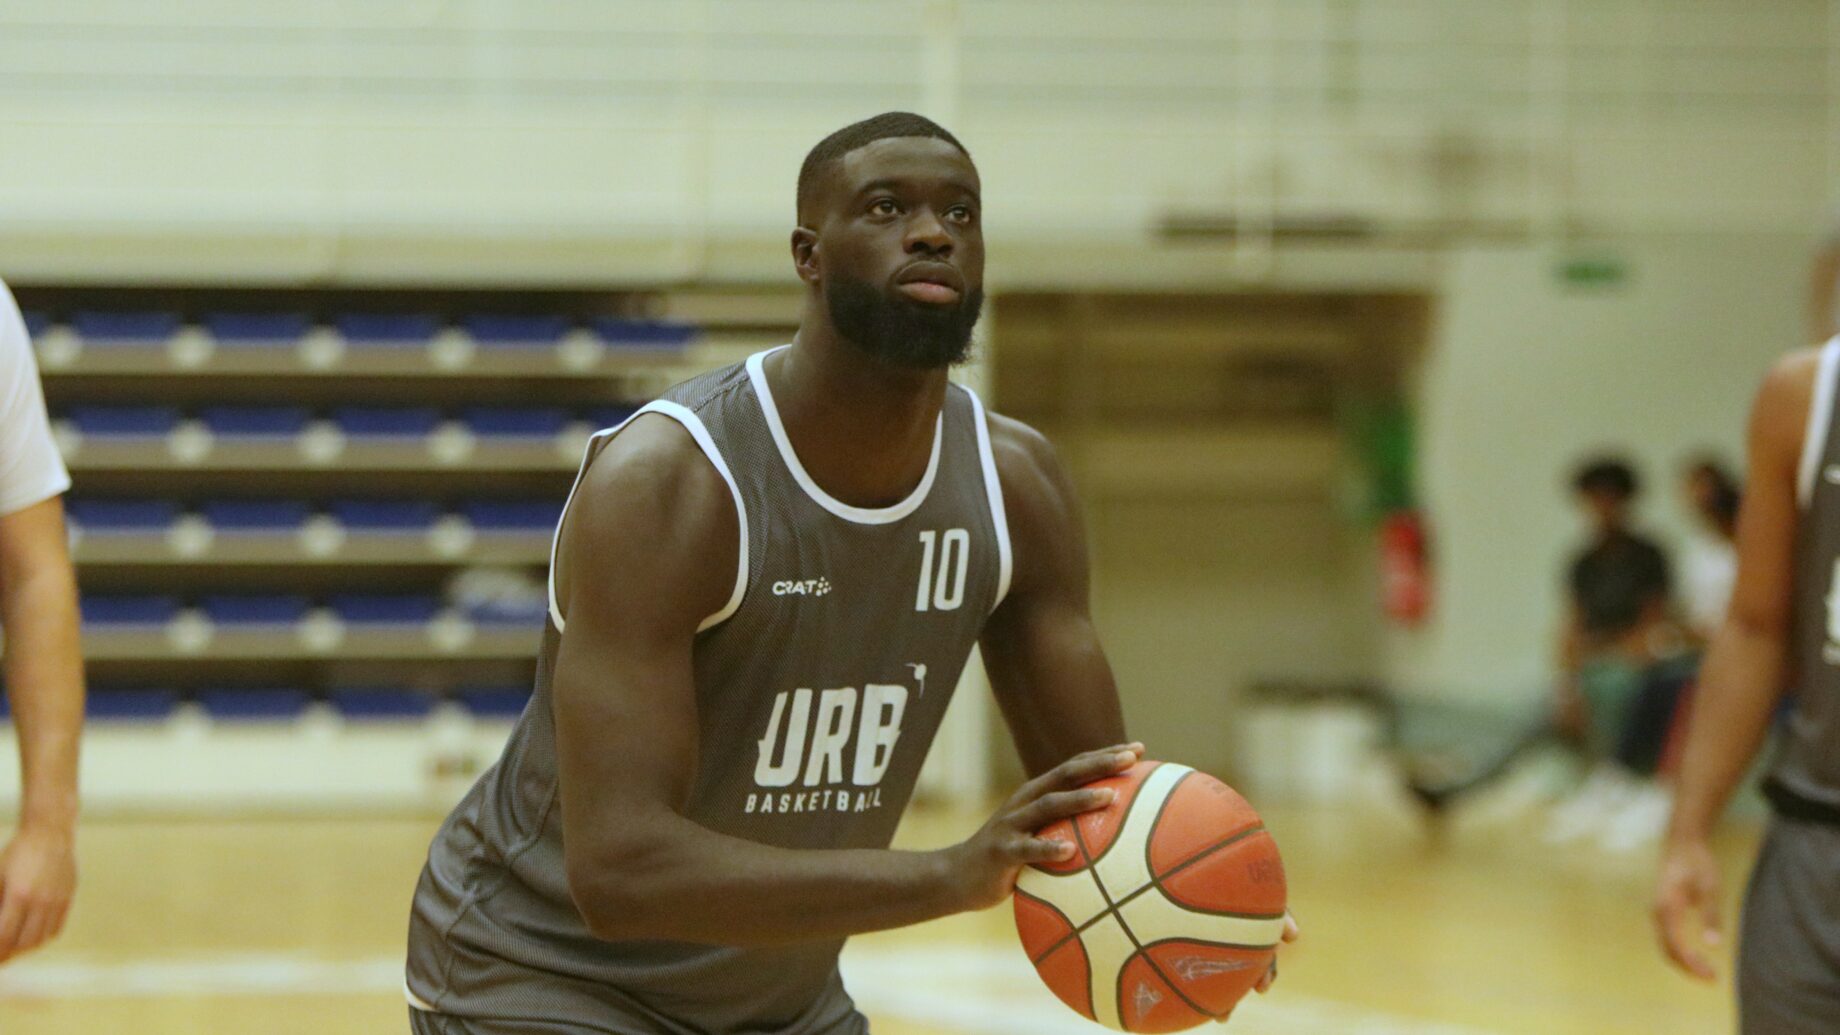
(1168, 912)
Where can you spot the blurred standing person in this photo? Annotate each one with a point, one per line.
(1618, 588)
(43, 663)
(1779, 634)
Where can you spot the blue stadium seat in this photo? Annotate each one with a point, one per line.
(513, 515)
(253, 704)
(256, 421)
(234, 609)
(384, 330)
(124, 328)
(516, 331)
(495, 702)
(256, 515)
(644, 334)
(123, 421)
(386, 515)
(129, 609)
(123, 705)
(384, 705)
(257, 329)
(609, 416)
(516, 421)
(386, 608)
(519, 612)
(37, 322)
(386, 421)
(103, 517)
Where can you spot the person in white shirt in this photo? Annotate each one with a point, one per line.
(42, 662)
(1709, 560)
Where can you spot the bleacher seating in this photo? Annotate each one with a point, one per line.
(161, 484)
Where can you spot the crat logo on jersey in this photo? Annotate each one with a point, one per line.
(801, 587)
(830, 748)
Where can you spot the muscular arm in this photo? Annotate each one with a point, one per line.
(1049, 674)
(648, 551)
(1744, 671)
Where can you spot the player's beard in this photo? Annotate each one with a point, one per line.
(900, 331)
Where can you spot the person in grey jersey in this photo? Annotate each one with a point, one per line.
(1781, 633)
(764, 588)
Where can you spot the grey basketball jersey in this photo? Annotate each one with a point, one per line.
(1808, 760)
(819, 687)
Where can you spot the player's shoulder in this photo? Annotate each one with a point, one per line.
(1037, 494)
(1795, 371)
(651, 510)
(653, 467)
(1788, 390)
(1021, 452)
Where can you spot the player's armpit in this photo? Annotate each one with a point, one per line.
(1046, 666)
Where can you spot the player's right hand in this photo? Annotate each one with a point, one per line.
(983, 869)
(1687, 902)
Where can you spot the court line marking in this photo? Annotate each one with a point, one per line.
(967, 990)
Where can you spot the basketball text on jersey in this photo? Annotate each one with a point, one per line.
(807, 748)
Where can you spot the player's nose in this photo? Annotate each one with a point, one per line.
(927, 233)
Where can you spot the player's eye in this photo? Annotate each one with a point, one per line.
(883, 207)
(961, 214)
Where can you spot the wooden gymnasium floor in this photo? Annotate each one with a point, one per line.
(294, 927)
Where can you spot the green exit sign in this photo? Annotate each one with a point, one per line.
(1597, 272)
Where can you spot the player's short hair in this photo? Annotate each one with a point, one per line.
(1611, 474)
(861, 134)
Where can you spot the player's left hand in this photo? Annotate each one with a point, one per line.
(38, 875)
(1290, 935)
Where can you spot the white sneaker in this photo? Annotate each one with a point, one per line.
(1640, 822)
(1583, 814)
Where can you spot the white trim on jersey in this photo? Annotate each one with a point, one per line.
(1820, 415)
(993, 490)
(694, 425)
(861, 515)
(415, 1000)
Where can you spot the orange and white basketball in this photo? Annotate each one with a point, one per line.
(1169, 910)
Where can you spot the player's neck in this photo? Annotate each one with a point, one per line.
(862, 429)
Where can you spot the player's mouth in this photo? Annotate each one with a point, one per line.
(931, 283)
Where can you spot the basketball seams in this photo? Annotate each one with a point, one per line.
(1115, 909)
(1156, 882)
(1112, 908)
(1162, 809)
(1150, 842)
(1237, 839)
(1155, 968)
(1056, 910)
(1207, 942)
(1124, 817)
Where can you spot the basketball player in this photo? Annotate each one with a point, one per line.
(764, 588)
(1779, 632)
(43, 663)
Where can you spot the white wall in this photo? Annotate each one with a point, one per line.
(585, 139)
(1526, 375)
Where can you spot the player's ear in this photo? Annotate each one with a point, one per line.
(805, 253)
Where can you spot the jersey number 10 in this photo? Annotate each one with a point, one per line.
(943, 563)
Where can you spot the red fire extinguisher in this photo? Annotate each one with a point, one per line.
(1405, 567)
